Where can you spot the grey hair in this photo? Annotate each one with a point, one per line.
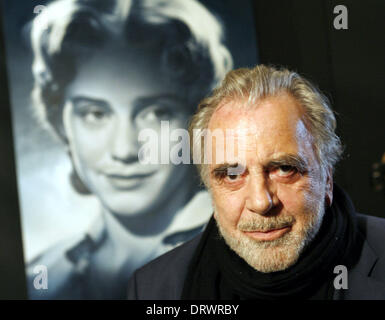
(192, 47)
(265, 81)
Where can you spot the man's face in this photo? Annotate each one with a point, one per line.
(269, 212)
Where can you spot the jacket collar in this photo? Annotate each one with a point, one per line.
(195, 214)
(361, 286)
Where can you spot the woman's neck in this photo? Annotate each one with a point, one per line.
(144, 232)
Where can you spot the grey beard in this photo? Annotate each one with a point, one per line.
(278, 254)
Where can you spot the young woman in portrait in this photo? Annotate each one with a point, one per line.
(104, 71)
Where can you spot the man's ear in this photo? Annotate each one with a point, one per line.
(215, 211)
(329, 187)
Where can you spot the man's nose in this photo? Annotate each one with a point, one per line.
(259, 199)
(125, 142)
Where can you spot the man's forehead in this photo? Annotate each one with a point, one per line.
(288, 157)
(276, 112)
(263, 132)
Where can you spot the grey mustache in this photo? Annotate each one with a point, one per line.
(265, 224)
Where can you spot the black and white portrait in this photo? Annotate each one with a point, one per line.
(86, 76)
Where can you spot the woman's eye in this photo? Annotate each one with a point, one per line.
(161, 113)
(96, 117)
(154, 114)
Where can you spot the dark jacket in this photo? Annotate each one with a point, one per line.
(163, 278)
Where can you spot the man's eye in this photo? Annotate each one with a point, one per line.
(286, 170)
(233, 177)
(223, 175)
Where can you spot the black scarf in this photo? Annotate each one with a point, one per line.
(217, 272)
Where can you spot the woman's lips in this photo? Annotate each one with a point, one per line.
(127, 182)
(268, 235)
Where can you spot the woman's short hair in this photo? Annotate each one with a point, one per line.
(262, 82)
(187, 36)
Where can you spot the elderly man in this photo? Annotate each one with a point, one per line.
(281, 228)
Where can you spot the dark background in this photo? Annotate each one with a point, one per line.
(348, 65)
